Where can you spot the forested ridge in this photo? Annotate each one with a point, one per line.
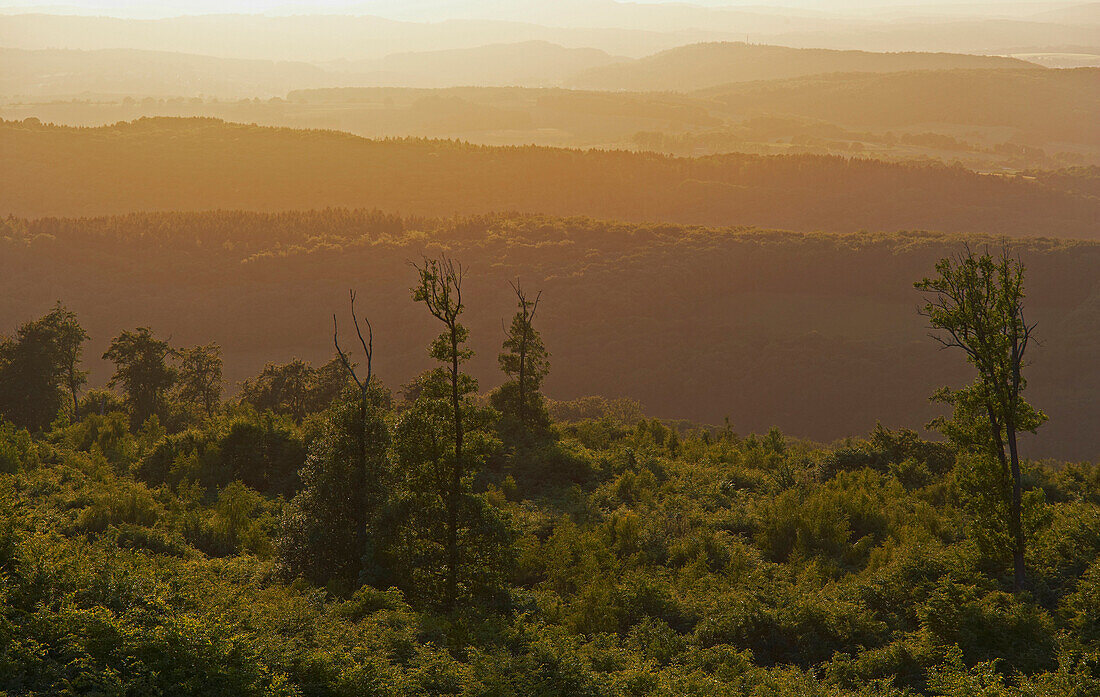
(173, 164)
(989, 120)
(811, 332)
(698, 66)
(324, 533)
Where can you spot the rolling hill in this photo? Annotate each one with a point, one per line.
(57, 72)
(203, 164)
(634, 30)
(699, 66)
(1051, 105)
(61, 73)
(527, 63)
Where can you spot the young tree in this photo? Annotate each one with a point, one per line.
(200, 376)
(976, 301)
(142, 370)
(526, 362)
(36, 365)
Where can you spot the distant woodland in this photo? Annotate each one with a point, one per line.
(698, 66)
(813, 333)
(55, 72)
(986, 119)
(162, 164)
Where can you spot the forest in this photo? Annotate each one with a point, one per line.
(549, 348)
(325, 533)
(206, 164)
(813, 333)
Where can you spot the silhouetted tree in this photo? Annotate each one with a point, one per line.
(977, 303)
(329, 382)
(142, 370)
(526, 362)
(200, 376)
(70, 338)
(37, 364)
(296, 388)
(441, 441)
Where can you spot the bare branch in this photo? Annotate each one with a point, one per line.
(343, 356)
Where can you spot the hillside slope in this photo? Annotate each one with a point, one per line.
(815, 333)
(173, 164)
(1044, 105)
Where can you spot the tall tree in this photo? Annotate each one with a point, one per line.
(440, 289)
(976, 301)
(367, 473)
(526, 362)
(41, 361)
(200, 376)
(441, 441)
(143, 371)
(327, 528)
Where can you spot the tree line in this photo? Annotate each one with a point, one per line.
(396, 484)
(387, 493)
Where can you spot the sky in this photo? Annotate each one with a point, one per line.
(430, 9)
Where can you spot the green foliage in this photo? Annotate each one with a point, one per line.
(295, 389)
(200, 377)
(262, 451)
(651, 575)
(345, 486)
(39, 369)
(608, 557)
(143, 372)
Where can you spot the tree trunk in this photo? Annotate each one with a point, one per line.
(522, 378)
(76, 403)
(456, 479)
(1016, 514)
(360, 478)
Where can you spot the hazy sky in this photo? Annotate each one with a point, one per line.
(428, 9)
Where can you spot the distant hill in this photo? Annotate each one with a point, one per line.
(628, 29)
(191, 164)
(709, 64)
(1058, 105)
(63, 72)
(814, 333)
(316, 38)
(526, 63)
(990, 120)
(1085, 13)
